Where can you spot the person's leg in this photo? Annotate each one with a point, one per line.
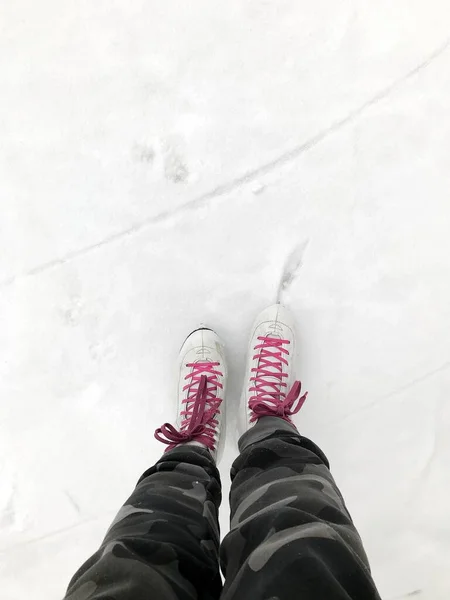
(291, 534)
(164, 542)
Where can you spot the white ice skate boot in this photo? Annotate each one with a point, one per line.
(202, 377)
(270, 388)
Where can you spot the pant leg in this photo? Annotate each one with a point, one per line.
(163, 544)
(291, 534)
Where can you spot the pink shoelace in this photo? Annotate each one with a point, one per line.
(200, 407)
(270, 400)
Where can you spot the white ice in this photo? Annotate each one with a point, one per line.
(162, 164)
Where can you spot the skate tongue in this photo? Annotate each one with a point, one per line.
(206, 384)
(270, 383)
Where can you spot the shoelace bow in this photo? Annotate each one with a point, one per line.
(200, 407)
(270, 400)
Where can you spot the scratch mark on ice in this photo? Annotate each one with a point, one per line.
(425, 469)
(73, 502)
(292, 266)
(8, 513)
(412, 594)
(247, 177)
(411, 383)
(56, 533)
(395, 392)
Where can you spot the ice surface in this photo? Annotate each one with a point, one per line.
(165, 163)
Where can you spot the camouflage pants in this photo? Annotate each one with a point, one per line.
(291, 535)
